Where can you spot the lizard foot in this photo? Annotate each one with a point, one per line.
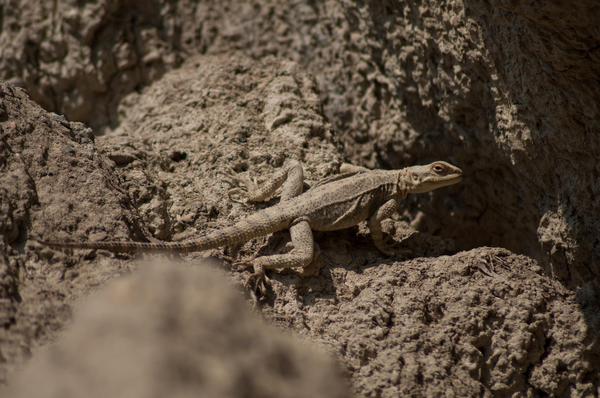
(258, 283)
(240, 187)
(315, 266)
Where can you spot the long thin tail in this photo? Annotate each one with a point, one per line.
(240, 232)
(123, 246)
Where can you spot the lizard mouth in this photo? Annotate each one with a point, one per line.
(453, 179)
(439, 182)
(447, 180)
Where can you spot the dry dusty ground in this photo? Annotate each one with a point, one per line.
(381, 84)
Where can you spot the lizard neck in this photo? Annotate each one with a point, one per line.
(391, 185)
(403, 183)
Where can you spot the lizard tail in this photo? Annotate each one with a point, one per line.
(241, 232)
(118, 246)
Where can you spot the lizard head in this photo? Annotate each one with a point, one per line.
(432, 176)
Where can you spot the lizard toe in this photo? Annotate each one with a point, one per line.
(259, 284)
(233, 194)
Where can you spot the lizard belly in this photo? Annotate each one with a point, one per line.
(341, 215)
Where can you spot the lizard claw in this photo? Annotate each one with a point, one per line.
(237, 191)
(258, 283)
(241, 187)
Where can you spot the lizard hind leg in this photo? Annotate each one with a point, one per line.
(301, 255)
(291, 177)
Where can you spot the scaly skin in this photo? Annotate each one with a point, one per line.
(336, 203)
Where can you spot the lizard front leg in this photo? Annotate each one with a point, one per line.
(385, 211)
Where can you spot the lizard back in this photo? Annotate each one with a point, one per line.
(343, 203)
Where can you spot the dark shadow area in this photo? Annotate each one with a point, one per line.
(493, 206)
(549, 79)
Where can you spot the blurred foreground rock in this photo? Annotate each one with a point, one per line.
(177, 331)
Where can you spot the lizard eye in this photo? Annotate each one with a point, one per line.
(438, 169)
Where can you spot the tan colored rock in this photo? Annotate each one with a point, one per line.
(53, 182)
(180, 331)
(484, 322)
(507, 91)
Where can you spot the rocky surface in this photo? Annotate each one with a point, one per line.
(181, 331)
(508, 91)
(81, 59)
(401, 82)
(216, 115)
(52, 178)
(484, 322)
(480, 322)
(141, 190)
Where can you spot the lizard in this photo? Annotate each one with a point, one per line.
(338, 202)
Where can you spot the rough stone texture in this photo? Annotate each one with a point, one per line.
(177, 331)
(141, 189)
(214, 116)
(484, 322)
(51, 179)
(508, 90)
(80, 58)
(501, 90)
(507, 94)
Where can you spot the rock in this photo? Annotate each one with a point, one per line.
(484, 322)
(175, 330)
(380, 83)
(401, 83)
